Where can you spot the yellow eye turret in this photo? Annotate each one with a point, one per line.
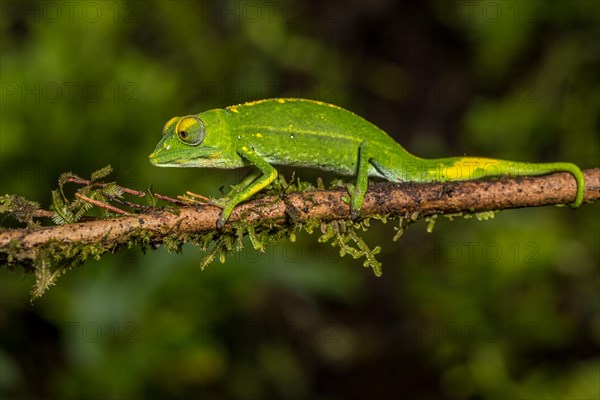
(190, 130)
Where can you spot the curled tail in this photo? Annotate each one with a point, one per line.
(469, 168)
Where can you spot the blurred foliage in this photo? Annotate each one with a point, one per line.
(507, 308)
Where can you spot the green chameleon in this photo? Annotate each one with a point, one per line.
(307, 133)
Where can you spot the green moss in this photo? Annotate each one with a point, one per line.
(342, 234)
(56, 257)
(431, 222)
(21, 209)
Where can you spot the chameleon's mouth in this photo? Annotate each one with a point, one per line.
(155, 161)
(161, 158)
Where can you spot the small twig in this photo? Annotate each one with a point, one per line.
(197, 196)
(189, 201)
(42, 214)
(126, 190)
(102, 184)
(101, 204)
(169, 199)
(128, 203)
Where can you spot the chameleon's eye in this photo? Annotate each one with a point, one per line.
(168, 125)
(190, 130)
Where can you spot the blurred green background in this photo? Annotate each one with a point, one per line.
(507, 308)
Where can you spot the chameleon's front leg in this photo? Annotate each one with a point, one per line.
(240, 186)
(357, 192)
(269, 174)
(235, 189)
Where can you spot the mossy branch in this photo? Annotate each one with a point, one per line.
(49, 251)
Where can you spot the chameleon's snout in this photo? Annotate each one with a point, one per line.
(155, 158)
(159, 153)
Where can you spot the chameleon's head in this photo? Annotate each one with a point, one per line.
(187, 142)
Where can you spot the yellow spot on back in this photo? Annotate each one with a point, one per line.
(259, 135)
(281, 101)
(465, 168)
(255, 102)
(244, 148)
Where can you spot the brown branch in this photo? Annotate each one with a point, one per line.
(382, 198)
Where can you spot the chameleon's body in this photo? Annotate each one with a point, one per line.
(306, 133)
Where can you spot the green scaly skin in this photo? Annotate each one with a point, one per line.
(307, 133)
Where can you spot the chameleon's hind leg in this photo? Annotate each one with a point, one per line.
(357, 192)
(388, 173)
